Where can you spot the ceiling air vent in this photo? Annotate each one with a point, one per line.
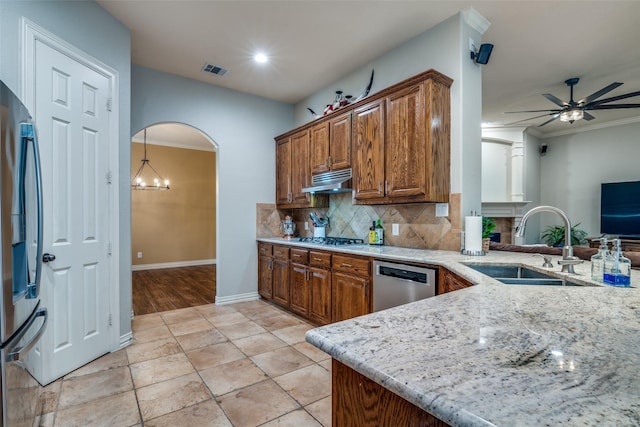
(215, 69)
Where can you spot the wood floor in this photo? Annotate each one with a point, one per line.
(173, 288)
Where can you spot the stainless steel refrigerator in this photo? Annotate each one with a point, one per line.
(22, 320)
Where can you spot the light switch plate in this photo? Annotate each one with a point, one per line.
(139, 255)
(442, 209)
(395, 229)
(306, 225)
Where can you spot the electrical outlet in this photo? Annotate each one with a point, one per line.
(306, 225)
(442, 209)
(139, 255)
(472, 45)
(395, 229)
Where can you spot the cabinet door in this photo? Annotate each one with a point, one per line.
(300, 170)
(265, 277)
(405, 144)
(349, 296)
(340, 146)
(320, 295)
(319, 150)
(299, 289)
(283, 171)
(453, 282)
(281, 282)
(367, 148)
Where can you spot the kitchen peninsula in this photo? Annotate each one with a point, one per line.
(490, 354)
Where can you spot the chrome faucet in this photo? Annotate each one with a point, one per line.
(568, 260)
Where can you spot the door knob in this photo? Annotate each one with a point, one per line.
(48, 257)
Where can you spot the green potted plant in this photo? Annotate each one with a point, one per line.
(554, 235)
(488, 225)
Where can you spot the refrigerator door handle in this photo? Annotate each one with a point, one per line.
(33, 289)
(14, 354)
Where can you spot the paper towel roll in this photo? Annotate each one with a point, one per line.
(473, 233)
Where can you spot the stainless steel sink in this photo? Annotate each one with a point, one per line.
(516, 275)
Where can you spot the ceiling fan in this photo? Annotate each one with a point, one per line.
(575, 110)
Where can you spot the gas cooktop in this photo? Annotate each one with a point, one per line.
(336, 241)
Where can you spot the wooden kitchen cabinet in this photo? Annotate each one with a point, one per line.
(401, 143)
(281, 275)
(358, 401)
(331, 144)
(450, 281)
(350, 287)
(265, 270)
(293, 173)
(299, 289)
(320, 295)
(367, 140)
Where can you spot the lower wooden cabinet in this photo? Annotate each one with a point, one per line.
(450, 281)
(299, 289)
(320, 295)
(349, 296)
(265, 276)
(281, 282)
(358, 401)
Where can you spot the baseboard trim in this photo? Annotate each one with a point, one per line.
(176, 264)
(231, 299)
(126, 340)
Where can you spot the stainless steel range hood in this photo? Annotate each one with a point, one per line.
(330, 182)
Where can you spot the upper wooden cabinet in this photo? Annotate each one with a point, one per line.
(331, 144)
(396, 141)
(293, 172)
(401, 144)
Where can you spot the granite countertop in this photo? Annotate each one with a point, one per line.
(496, 354)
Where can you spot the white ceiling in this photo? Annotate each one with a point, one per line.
(538, 45)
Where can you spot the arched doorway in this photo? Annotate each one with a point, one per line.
(173, 231)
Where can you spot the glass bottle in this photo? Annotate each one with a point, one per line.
(597, 261)
(617, 268)
(379, 234)
(372, 234)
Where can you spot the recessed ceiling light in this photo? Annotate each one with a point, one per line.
(261, 58)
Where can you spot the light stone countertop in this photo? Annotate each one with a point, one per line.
(496, 354)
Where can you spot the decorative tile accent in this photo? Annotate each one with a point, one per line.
(419, 227)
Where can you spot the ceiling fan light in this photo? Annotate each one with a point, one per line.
(571, 115)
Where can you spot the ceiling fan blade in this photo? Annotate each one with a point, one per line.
(555, 100)
(531, 118)
(613, 106)
(550, 120)
(587, 116)
(614, 98)
(599, 93)
(533, 111)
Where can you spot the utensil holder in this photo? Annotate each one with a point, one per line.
(319, 231)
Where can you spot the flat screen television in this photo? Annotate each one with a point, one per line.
(620, 209)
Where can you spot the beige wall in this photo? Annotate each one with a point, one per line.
(178, 225)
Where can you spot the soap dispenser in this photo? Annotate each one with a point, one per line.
(617, 268)
(597, 261)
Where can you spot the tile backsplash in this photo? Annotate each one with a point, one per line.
(418, 225)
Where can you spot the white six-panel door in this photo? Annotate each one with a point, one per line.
(72, 117)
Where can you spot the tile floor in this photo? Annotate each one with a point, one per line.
(245, 364)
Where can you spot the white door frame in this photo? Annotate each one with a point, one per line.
(31, 33)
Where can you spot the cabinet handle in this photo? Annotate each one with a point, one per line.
(317, 259)
(380, 187)
(386, 187)
(344, 264)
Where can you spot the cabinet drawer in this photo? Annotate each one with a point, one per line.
(301, 256)
(320, 259)
(280, 252)
(348, 264)
(265, 249)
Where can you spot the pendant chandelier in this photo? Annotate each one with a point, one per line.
(138, 182)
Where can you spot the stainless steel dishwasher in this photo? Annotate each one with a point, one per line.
(395, 284)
